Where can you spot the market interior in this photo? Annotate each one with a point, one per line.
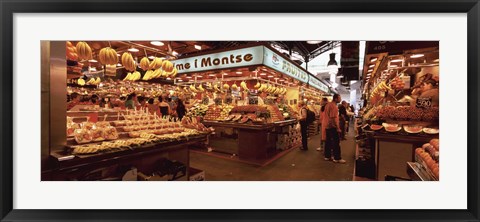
(238, 110)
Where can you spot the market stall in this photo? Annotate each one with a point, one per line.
(94, 136)
(249, 95)
(402, 112)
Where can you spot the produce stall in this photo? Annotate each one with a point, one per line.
(402, 112)
(254, 98)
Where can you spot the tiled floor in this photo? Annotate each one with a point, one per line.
(297, 165)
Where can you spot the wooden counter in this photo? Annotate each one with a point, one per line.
(144, 158)
(393, 150)
(251, 141)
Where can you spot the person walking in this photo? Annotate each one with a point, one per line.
(323, 124)
(303, 124)
(333, 130)
(180, 108)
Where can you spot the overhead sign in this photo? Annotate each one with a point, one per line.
(221, 60)
(316, 83)
(256, 55)
(275, 61)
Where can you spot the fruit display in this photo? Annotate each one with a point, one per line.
(84, 51)
(397, 83)
(145, 64)
(197, 110)
(71, 51)
(108, 56)
(428, 156)
(216, 112)
(407, 113)
(192, 123)
(378, 92)
(128, 62)
(412, 128)
(376, 127)
(430, 130)
(275, 114)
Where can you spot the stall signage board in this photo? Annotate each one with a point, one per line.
(316, 83)
(222, 60)
(276, 62)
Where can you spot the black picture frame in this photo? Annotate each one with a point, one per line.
(8, 8)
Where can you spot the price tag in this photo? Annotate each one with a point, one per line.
(424, 102)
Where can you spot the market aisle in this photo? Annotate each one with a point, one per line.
(308, 165)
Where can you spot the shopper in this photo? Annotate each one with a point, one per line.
(164, 107)
(142, 102)
(131, 102)
(342, 118)
(333, 130)
(323, 124)
(74, 100)
(181, 110)
(303, 124)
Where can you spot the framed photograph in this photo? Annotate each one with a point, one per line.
(91, 130)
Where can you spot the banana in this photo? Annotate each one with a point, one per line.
(136, 76)
(156, 63)
(167, 66)
(257, 86)
(192, 88)
(147, 75)
(261, 87)
(97, 81)
(81, 82)
(234, 87)
(226, 86)
(127, 77)
(90, 81)
(164, 74)
(200, 88)
(145, 63)
(84, 51)
(243, 84)
(173, 73)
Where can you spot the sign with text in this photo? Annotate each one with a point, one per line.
(275, 61)
(316, 83)
(222, 60)
(424, 102)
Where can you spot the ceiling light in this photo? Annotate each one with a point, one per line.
(180, 80)
(369, 74)
(370, 70)
(417, 55)
(191, 80)
(313, 42)
(270, 76)
(393, 66)
(118, 54)
(157, 43)
(212, 75)
(371, 66)
(281, 80)
(151, 57)
(168, 78)
(397, 60)
(239, 72)
(118, 64)
(92, 60)
(276, 78)
(133, 49)
(263, 74)
(199, 76)
(174, 53)
(225, 74)
(189, 77)
(198, 47)
(373, 59)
